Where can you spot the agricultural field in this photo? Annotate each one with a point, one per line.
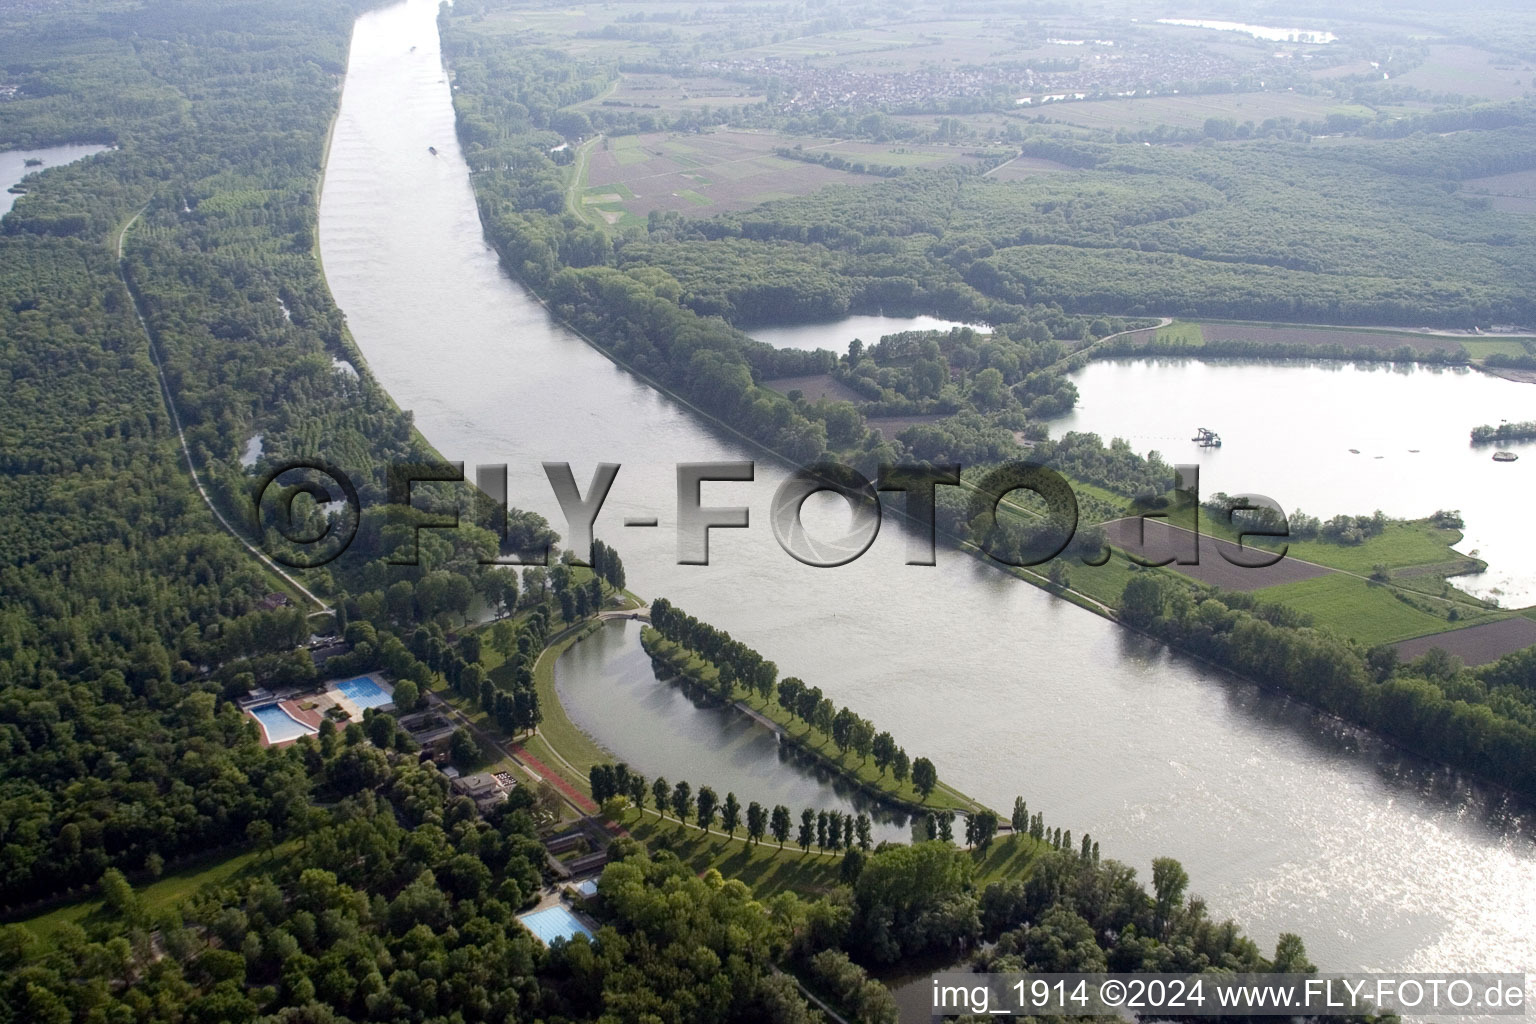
(1353, 67)
(1149, 112)
(1311, 337)
(714, 172)
(1507, 193)
(1194, 334)
(1453, 68)
(815, 387)
(1409, 548)
(1367, 612)
(1023, 167)
(651, 90)
(1153, 540)
(1475, 645)
(1180, 332)
(608, 202)
(893, 48)
(1482, 348)
(1399, 546)
(890, 426)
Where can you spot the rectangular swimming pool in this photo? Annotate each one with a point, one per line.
(554, 923)
(279, 725)
(363, 692)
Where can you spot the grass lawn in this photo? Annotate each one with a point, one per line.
(1191, 110)
(558, 743)
(766, 868)
(687, 663)
(1009, 856)
(1101, 582)
(562, 746)
(1482, 349)
(596, 192)
(626, 150)
(769, 870)
(1181, 332)
(1355, 608)
(160, 896)
(1399, 546)
(557, 733)
(891, 157)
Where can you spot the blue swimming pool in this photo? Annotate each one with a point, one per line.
(363, 692)
(554, 923)
(279, 725)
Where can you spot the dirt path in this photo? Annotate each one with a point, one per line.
(1005, 163)
(574, 190)
(1162, 321)
(170, 403)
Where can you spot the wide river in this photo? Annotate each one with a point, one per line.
(1283, 823)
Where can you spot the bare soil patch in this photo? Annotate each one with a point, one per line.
(1475, 645)
(815, 387)
(1162, 541)
(890, 426)
(1027, 167)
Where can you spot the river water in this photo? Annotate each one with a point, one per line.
(665, 730)
(1283, 823)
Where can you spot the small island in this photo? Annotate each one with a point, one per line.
(1486, 434)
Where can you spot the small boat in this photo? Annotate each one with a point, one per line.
(1354, 451)
(432, 150)
(1205, 437)
(1504, 456)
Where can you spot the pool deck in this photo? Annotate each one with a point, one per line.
(309, 718)
(321, 699)
(331, 691)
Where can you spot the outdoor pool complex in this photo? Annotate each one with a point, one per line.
(363, 692)
(279, 726)
(554, 923)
